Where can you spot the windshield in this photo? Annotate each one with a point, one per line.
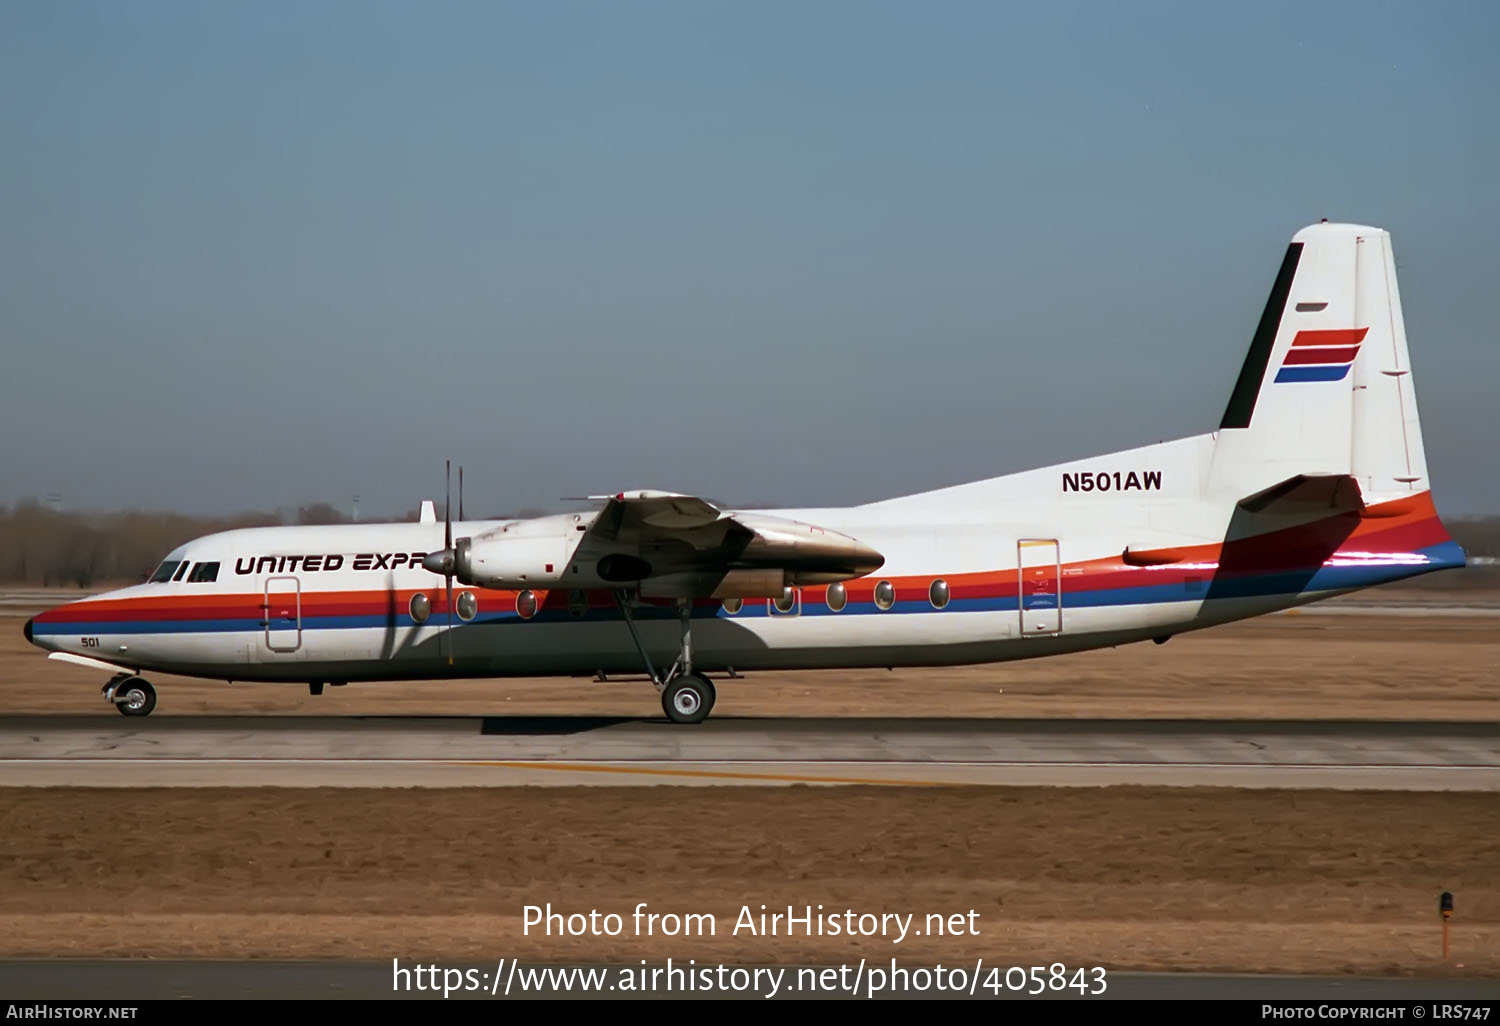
(166, 570)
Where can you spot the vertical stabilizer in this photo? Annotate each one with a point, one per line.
(1326, 388)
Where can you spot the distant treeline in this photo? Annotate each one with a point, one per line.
(1479, 536)
(43, 546)
(46, 547)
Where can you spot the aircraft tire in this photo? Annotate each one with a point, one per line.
(135, 697)
(688, 699)
(713, 692)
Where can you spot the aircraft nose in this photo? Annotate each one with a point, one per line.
(26, 630)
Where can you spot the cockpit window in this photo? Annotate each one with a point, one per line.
(181, 571)
(166, 570)
(204, 572)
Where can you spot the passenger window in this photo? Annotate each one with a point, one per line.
(165, 571)
(421, 608)
(526, 604)
(938, 593)
(204, 573)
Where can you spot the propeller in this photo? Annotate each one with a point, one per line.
(446, 561)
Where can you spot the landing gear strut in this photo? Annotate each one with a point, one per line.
(133, 696)
(686, 695)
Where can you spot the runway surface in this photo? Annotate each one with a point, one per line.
(574, 751)
(126, 980)
(1446, 610)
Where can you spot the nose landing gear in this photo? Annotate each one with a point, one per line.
(132, 695)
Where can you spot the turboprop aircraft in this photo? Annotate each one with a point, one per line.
(1314, 484)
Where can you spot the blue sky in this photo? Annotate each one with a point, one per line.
(261, 254)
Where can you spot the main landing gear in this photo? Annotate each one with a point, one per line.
(686, 695)
(132, 695)
(688, 698)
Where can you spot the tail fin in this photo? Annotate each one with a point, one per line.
(1326, 388)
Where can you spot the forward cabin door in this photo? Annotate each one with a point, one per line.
(283, 614)
(1040, 570)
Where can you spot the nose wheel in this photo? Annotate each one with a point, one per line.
(133, 696)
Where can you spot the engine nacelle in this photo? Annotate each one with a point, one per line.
(524, 554)
(734, 584)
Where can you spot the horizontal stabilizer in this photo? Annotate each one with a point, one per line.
(1134, 556)
(1305, 493)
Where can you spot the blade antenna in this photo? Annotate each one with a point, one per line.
(448, 548)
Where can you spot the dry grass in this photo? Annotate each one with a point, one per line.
(1122, 877)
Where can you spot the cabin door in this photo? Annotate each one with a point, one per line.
(1040, 580)
(283, 614)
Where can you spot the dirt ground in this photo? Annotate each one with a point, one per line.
(1343, 882)
(1119, 877)
(1302, 665)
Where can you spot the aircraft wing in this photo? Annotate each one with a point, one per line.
(662, 511)
(682, 545)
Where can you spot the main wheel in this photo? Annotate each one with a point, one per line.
(688, 699)
(135, 697)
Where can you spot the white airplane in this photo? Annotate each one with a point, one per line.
(1315, 484)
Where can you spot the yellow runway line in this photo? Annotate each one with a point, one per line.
(573, 767)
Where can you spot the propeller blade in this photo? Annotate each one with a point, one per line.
(460, 493)
(448, 548)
